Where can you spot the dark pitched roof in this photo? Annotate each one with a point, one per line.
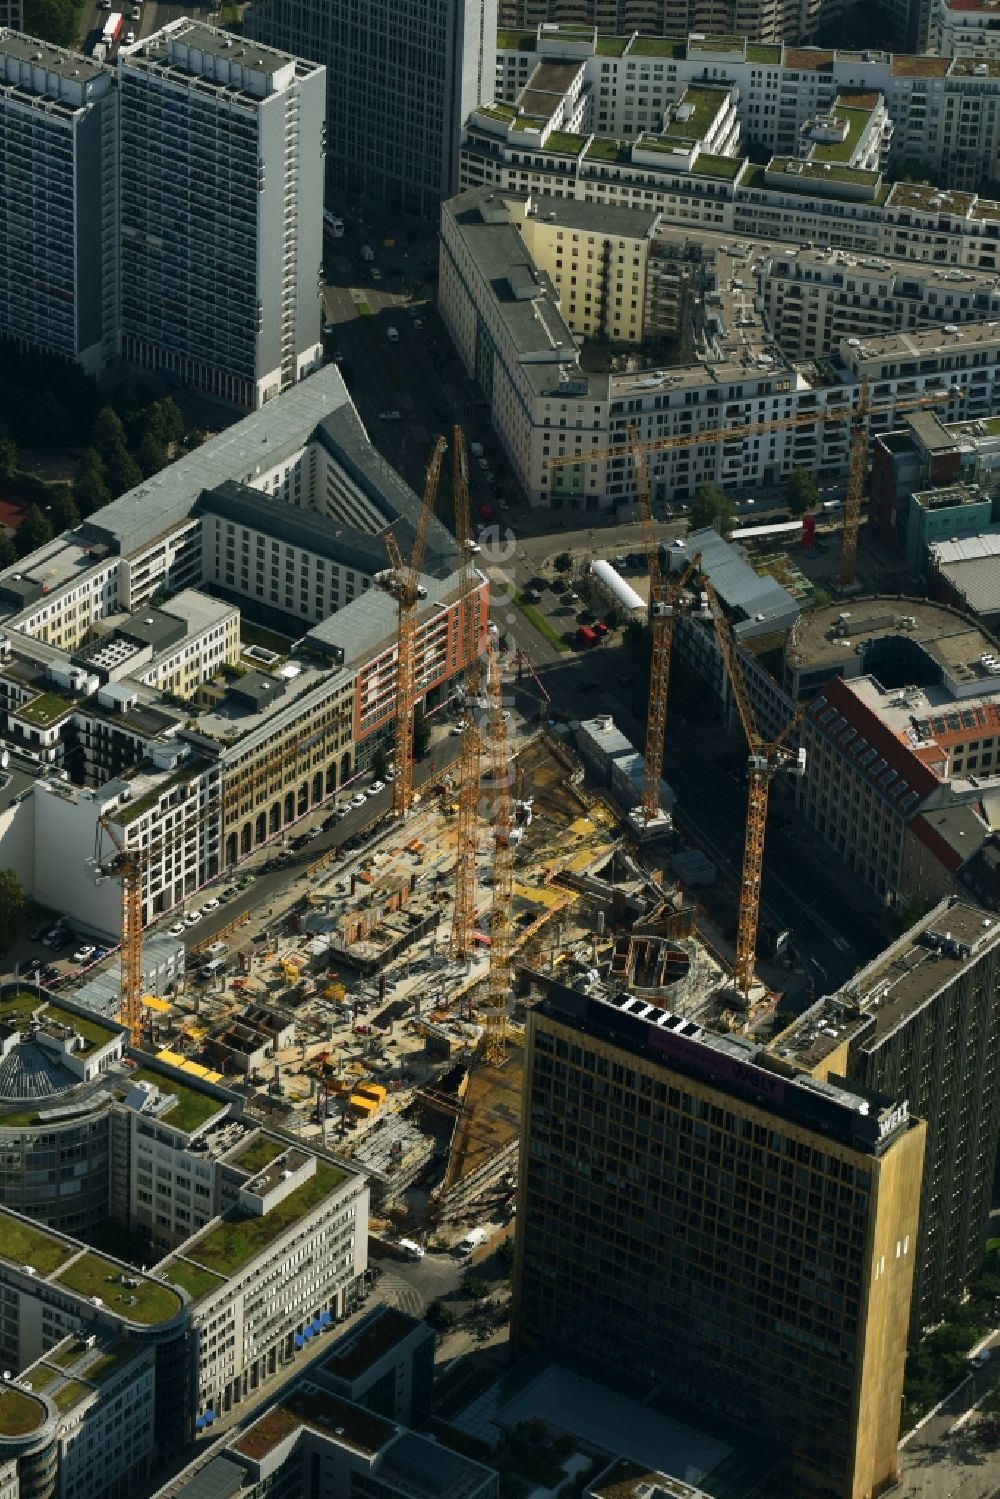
(897, 773)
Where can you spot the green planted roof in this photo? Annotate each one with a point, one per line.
(841, 151)
(45, 709)
(20, 1413)
(193, 1279)
(193, 1107)
(147, 1303)
(240, 1237)
(23, 1244)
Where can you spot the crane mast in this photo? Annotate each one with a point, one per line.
(464, 913)
(765, 760)
(663, 615)
(402, 582)
(498, 980)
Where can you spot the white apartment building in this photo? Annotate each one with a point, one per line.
(402, 75)
(944, 110)
(258, 1296)
(221, 211)
(970, 28)
(508, 323)
(133, 712)
(58, 145)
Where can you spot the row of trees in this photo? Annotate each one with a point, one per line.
(710, 507)
(120, 453)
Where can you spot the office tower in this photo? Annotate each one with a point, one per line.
(58, 144)
(922, 1022)
(221, 212)
(403, 75)
(698, 1214)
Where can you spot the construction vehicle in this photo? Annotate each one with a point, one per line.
(663, 612)
(858, 415)
(402, 582)
(498, 979)
(467, 770)
(765, 760)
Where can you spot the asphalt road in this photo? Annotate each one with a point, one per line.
(294, 866)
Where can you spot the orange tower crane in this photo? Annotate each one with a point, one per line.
(464, 914)
(402, 582)
(663, 614)
(127, 866)
(764, 762)
(858, 415)
(498, 980)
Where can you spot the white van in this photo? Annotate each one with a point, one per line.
(410, 1249)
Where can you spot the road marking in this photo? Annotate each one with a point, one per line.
(399, 1293)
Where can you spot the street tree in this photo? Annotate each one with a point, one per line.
(563, 563)
(13, 904)
(801, 491)
(710, 507)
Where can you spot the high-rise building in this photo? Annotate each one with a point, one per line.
(221, 212)
(922, 1021)
(697, 1213)
(403, 76)
(58, 166)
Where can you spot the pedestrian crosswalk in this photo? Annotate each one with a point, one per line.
(397, 1291)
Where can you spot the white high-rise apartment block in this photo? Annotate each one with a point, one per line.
(969, 27)
(58, 140)
(221, 212)
(403, 77)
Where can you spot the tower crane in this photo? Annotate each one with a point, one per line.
(498, 979)
(663, 614)
(765, 760)
(464, 913)
(127, 865)
(402, 582)
(858, 414)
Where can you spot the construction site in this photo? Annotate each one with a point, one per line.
(379, 1006)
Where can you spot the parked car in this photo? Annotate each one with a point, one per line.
(210, 905)
(341, 812)
(229, 892)
(358, 800)
(376, 786)
(313, 833)
(300, 841)
(192, 918)
(178, 929)
(84, 954)
(245, 881)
